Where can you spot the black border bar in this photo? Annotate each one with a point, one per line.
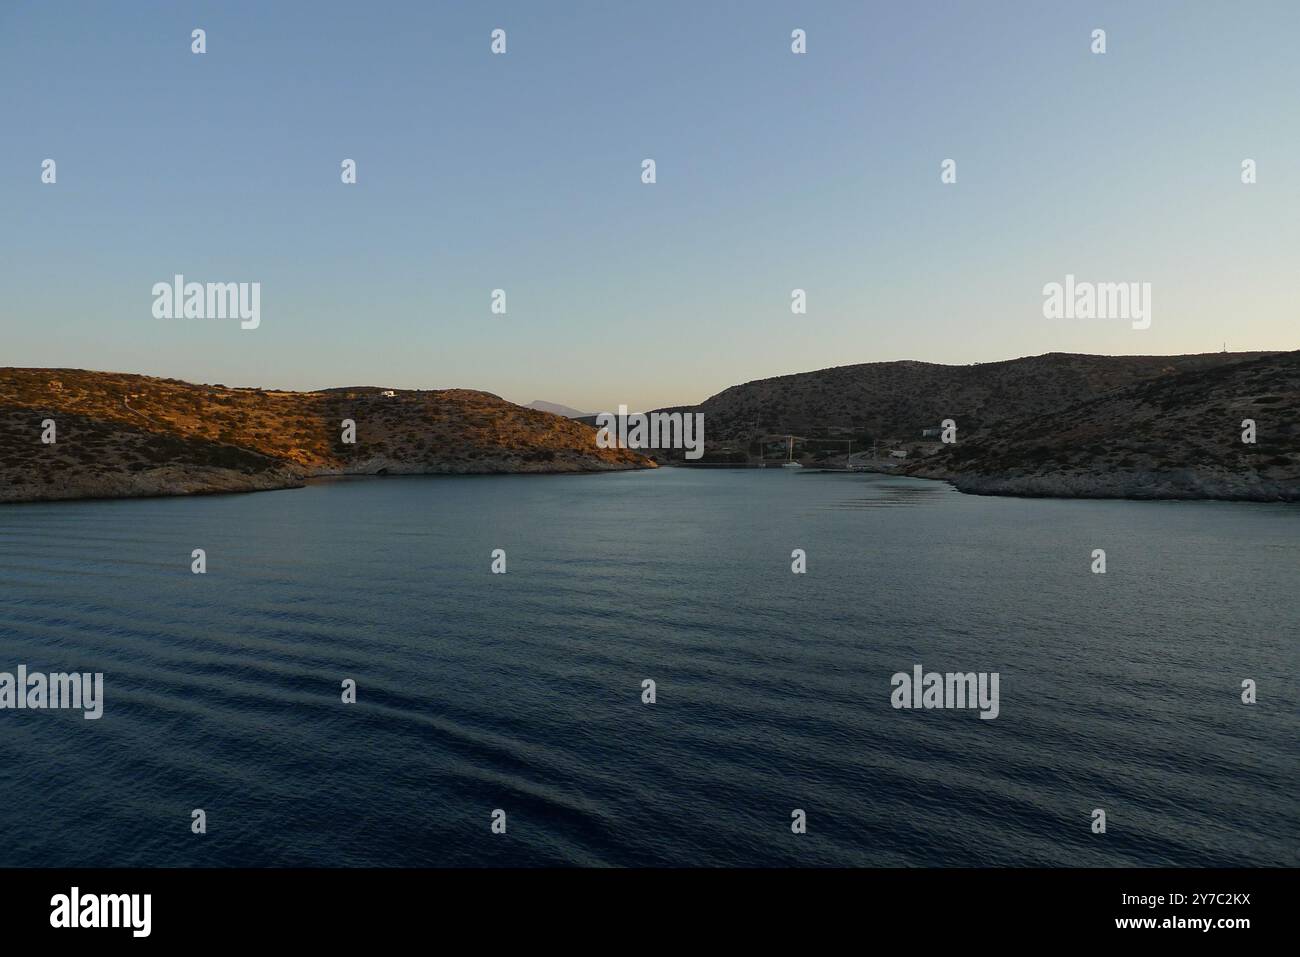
(655, 907)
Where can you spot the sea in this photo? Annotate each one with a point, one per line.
(671, 668)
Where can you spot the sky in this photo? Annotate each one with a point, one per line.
(522, 172)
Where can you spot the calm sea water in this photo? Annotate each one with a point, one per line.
(523, 691)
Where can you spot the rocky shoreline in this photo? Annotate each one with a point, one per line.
(170, 481)
(1172, 485)
(154, 483)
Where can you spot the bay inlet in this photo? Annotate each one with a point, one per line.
(523, 691)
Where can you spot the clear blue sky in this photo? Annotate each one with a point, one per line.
(522, 172)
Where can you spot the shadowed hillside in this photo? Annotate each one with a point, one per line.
(899, 399)
(1177, 436)
(125, 435)
(1056, 424)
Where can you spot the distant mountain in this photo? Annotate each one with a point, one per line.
(120, 435)
(556, 409)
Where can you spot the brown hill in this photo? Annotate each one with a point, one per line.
(122, 435)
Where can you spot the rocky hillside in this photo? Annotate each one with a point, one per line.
(1172, 436)
(1057, 424)
(125, 435)
(899, 399)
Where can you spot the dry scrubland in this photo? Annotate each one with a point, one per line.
(127, 435)
(1067, 425)
(1172, 436)
(1056, 424)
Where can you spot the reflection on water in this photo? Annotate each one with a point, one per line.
(880, 491)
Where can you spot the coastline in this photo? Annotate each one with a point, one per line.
(1135, 486)
(185, 481)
